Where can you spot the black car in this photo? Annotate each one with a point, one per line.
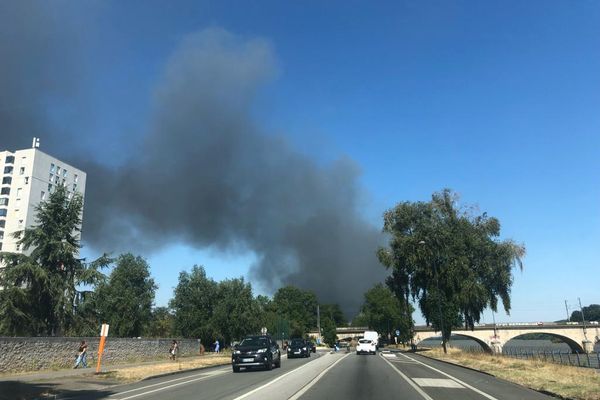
(256, 351)
(312, 346)
(298, 348)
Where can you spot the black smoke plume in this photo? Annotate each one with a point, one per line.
(207, 174)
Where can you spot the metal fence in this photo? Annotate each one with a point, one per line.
(583, 360)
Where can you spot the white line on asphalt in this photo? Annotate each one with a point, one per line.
(211, 373)
(271, 382)
(166, 387)
(315, 380)
(407, 379)
(484, 394)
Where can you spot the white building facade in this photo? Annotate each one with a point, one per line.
(28, 177)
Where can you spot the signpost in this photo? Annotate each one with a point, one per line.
(103, 335)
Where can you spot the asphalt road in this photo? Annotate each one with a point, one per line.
(333, 376)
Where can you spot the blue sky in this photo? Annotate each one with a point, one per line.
(498, 101)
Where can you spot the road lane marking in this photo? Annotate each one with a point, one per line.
(484, 394)
(271, 382)
(389, 355)
(440, 383)
(315, 379)
(407, 379)
(206, 374)
(166, 387)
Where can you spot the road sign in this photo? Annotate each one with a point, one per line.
(397, 332)
(104, 330)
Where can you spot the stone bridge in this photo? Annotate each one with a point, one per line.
(492, 338)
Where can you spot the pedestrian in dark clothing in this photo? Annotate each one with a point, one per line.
(173, 350)
(82, 355)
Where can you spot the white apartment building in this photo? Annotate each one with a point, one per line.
(28, 177)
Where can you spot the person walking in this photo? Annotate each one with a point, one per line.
(82, 355)
(173, 350)
(217, 346)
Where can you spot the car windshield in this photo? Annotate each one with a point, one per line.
(254, 341)
(364, 341)
(297, 342)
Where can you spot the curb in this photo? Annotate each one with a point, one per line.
(182, 371)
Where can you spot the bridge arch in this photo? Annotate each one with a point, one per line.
(573, 344)
(486, 347)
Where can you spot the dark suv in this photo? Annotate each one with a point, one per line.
(256, 351)
(298, 348)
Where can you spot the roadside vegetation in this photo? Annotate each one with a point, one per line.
(562, 380)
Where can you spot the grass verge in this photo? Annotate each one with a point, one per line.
(565, 381)
(136, 373)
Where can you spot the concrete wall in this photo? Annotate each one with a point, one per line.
(40, 353)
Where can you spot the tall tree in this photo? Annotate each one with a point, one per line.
(193, 304)
(42, 290)
(383, 311)
(125, 300)
(329, 331)
(449, 259)
(236, 312)
(161, 323)
(591, 313)
(333, 311)
(297, 306)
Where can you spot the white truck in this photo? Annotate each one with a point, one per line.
(372, 336)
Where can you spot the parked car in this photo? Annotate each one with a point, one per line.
(366, 346)
(311, 346)
(298, 348)
(256, 351)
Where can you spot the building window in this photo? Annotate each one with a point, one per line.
(52, 168)
(57, 170)
(10, 159)
(5, 191)
(64, 173)
(7, 180)
(74, 187)
(22, 171)
(2, 223)
(1, 235)
(76, 178)
(3, 212)
(0, 246)
(8, 170)
(3, 201)
(49, 188)
(19, 190)
(27, 180)
(18, 247)
(57, 179)
(43, 195)
(20, 223)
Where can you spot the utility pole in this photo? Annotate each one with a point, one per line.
(319, 324)
(567, 309)
(583, 319)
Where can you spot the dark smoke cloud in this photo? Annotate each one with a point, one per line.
(38, 59)
(206, 173)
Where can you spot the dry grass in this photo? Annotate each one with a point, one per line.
(563, 380)
(132, 374)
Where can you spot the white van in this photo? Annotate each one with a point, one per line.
(372, 336)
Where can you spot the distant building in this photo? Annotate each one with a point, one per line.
(28, 177)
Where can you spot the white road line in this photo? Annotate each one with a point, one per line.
(484, 394)
(206, 373)
(438, 382)
(270, 382)
(315, 380)
(166, 387)
(407, 379)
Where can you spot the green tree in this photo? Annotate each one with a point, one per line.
(297, 306)
(449, 259)
(236, 312)
(591, 313)
(383, 312)
(41, 290)
(193, 303)
(125, 300)
(161, 323)
(333, 311)
(329, 331)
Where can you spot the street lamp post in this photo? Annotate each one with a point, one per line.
(437, 284)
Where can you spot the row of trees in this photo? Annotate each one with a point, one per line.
(447, 259)
(53, 292)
